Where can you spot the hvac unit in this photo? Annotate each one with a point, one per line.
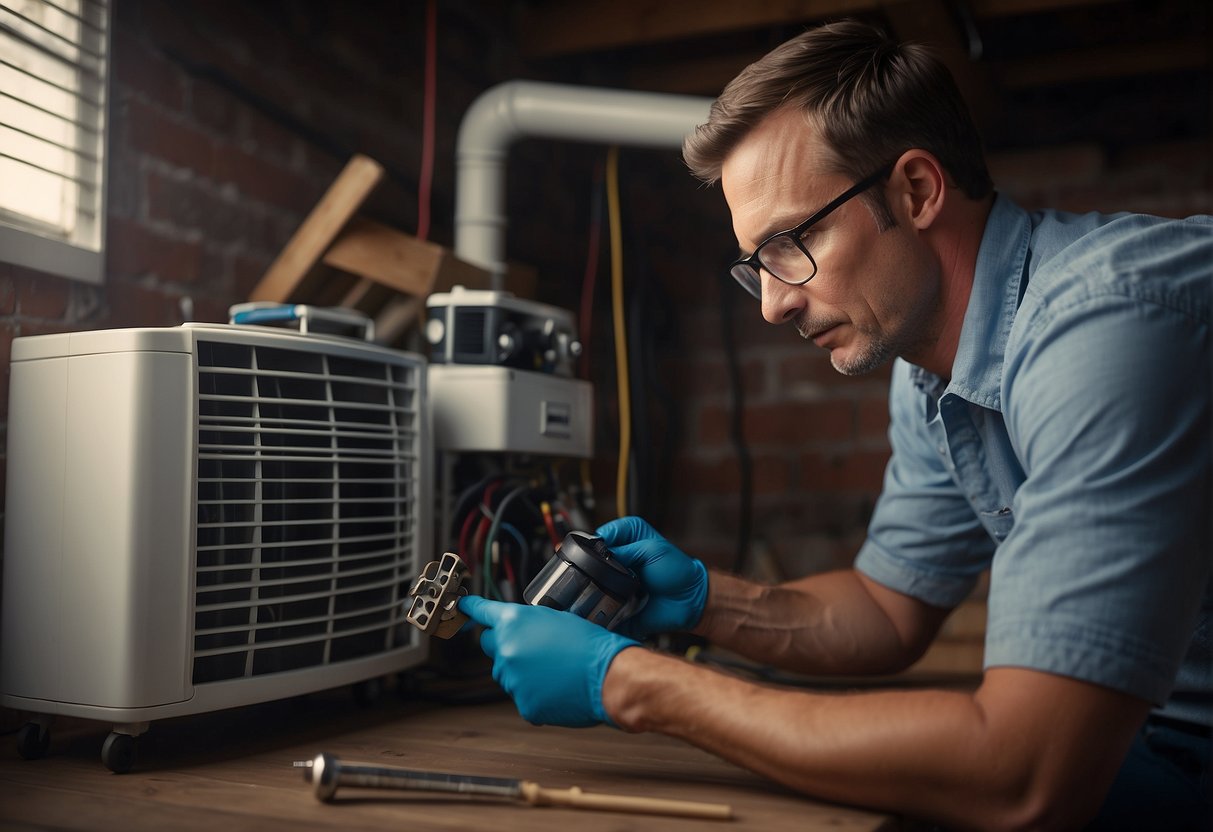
(204, 517)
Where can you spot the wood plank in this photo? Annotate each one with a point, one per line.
(318, 230)
(557, 27)
(233, 770)
(1007, 8)
(1104, 62)
(398, 260)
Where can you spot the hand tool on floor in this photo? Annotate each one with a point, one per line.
(326, 773)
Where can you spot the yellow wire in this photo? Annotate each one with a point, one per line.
(621, 346)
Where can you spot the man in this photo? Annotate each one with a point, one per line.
(1050, 421)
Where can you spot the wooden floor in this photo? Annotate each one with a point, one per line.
(232, 771)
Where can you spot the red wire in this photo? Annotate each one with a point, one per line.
(426, 180)
(547, 521)
(565, 516)
(591, 274)
(463, 540)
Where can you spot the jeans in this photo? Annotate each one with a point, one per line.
(1164, 783)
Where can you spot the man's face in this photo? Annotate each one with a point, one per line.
(876, 294)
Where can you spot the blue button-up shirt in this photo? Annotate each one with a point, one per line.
(1069, 453)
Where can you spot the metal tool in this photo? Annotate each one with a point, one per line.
(436, 597)
(585, 578)
(326, 773)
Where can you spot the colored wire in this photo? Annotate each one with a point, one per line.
(463, 541)
(547, 521)
(590, 280)
(486, 578)
(512, 531)
(496, 524)
(426, 180)
(621, 347)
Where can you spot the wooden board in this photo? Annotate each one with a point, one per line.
(233, 771)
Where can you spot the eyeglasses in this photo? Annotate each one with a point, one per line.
(784, 254)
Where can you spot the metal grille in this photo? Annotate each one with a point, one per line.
(307, 508)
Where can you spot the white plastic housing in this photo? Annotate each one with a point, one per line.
(491, 408)
(208, 516)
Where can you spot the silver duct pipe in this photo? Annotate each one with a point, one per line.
(519, 109)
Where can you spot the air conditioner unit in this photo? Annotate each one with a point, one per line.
(204, 517)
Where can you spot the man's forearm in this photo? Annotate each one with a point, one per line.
(984, 759)
(827, 624)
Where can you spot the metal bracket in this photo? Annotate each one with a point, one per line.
(436, 595)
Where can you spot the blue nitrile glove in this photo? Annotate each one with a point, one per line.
(677, 585)
(551, 662)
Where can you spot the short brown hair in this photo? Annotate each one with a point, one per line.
(872, 97)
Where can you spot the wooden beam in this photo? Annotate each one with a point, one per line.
(1104, 62)
(558, 27)
(339, 203)
(1007, 8)
(397, 260)
(705, 75)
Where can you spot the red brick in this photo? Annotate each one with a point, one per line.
(810, 366)
(271, 138)
(133, 250)
(42, 296)
(709, 376)
(215, 108)
(145, 72)
(265, 181)
(872, 417)
(134, 305)
(797, 423)
(752, 329)
(814, 368)
(696, 477)
(713, 428)
(8, 293)
(247, 273)
(771, 474)
(174, 26)
(211, 310)
(858, 471)
(152, 131)
(189, 207)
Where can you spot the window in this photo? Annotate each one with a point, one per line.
(53, 90)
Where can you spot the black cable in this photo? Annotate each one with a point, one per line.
(737, 424)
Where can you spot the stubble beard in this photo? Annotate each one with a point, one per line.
(874, 346)
(873, 352)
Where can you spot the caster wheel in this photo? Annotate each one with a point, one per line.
(368, 691)
(118, 753)
(32, 741)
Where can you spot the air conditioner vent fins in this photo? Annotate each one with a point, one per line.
(306, 521)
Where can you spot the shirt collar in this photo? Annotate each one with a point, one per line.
(997, 277)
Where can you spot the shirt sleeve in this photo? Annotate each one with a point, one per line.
(1107, 403)
(924, 539)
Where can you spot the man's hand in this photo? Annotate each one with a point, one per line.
(677, 585)
(552, 663)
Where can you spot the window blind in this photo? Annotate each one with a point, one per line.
(53, 88)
